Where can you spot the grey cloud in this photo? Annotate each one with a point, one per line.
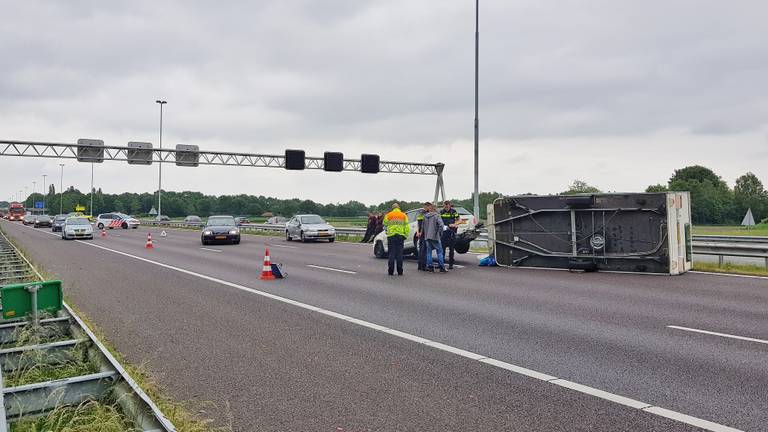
(393, 77)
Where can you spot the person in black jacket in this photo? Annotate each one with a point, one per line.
(421, 247)
(450, 219)
(370, 228)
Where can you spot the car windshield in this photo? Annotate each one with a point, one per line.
(43, 217)
(193, 218)
(60, 218)
(221, 221)
(312, 219)
(462, 211)
(77, 221)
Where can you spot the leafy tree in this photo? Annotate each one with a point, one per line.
(656, 188)
(711, 199)
(580, 187)
(750, 193)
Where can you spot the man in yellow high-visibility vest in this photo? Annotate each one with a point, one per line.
(396, 224)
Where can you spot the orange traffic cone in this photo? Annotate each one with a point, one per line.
(149, 241)
(103, 232)
(266, 271)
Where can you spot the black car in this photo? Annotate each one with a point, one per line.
(220, 229)
(42, 221)
(58, 222)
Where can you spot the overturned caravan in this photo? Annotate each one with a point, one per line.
(632, 232)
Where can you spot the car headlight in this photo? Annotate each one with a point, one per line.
(233, 232)
(207, 232)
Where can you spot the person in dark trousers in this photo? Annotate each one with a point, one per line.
(421, 247)
(433, 228)
(379, 225)
(450, 218)
(370, 228)
(398, 230)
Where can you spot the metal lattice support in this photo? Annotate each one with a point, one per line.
(119, 153)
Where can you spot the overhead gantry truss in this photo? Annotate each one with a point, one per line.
(182, 156)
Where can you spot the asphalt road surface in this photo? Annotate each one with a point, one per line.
(503, 349)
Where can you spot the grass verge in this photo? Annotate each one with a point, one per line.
(757, 230)
(182, 415)
(90, 416)
(743, 269)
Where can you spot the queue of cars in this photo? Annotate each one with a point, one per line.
(76, 225)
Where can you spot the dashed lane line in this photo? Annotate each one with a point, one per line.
(725, 335)
(209, 249)
(331, 269)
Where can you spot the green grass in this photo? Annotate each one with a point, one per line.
(40, 372)
(182, 415)
(757, 230)
(89, 416)
(744, 269)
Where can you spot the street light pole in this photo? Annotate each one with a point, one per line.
(160, 165)
(477, 120)
(91, 207)
(45, 192)
(61, 190)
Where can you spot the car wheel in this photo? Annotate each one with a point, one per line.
(287, 236)
(378, 250)
(301, 235)
(125, 225)
(100, 226)
(136, 227)
(332, 239)
(462, 248)
(237, 242)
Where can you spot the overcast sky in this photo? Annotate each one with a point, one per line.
(616, 93)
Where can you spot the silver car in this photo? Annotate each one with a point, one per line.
(309, 227)
(76, 228)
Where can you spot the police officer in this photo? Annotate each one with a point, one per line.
(422, 244)
(450, 219)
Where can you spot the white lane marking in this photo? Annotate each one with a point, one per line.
(209, 249)
(282, 246)
(331, 269)
(601, 394)
(611, 397)
(726, 335)
(683, 418)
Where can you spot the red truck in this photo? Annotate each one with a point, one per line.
(16, 211)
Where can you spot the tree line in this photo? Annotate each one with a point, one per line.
(179, 204)
(713, 202)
